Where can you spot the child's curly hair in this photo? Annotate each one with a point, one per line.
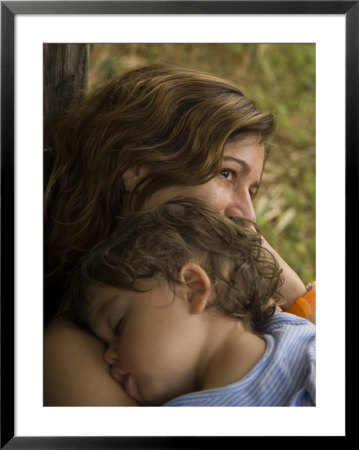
(155, 244)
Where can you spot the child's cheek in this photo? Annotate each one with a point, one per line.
(132, 349)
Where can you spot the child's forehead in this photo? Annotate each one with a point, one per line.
(93, 291)
(99, 297)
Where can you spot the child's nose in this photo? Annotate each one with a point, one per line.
(110, 356)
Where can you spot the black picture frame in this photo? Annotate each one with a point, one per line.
(9, 10)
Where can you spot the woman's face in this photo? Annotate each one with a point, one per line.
(232, 191)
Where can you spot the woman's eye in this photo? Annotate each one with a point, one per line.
(252, 194)
(228, 174)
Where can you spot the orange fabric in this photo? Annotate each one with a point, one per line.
(304, 306)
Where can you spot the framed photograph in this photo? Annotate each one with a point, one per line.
(322, 39)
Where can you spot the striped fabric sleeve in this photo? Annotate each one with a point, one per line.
(285, 375)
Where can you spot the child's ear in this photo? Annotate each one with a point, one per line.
(198, 285)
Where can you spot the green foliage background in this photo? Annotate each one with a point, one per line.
(281, 79)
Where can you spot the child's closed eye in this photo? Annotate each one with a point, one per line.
(118, 326)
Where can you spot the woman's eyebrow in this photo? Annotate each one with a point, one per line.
(245, 167)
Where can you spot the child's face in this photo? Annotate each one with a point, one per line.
(153, 340)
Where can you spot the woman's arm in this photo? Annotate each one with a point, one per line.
(293, 287)
(75, 373)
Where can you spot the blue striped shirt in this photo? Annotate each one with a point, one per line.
(284, 376)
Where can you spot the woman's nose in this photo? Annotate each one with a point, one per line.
(110, 356)
(241, 206)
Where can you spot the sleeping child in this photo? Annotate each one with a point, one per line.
(186, 303)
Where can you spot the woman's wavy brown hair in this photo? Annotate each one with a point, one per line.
(156, 244)
(174, 120)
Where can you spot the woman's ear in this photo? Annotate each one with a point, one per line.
(198, 287)
(133, 176)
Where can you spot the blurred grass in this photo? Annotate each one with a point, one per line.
(281, 79)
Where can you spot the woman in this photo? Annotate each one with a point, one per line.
(146, 137)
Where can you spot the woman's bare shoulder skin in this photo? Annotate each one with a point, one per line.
(75, 373)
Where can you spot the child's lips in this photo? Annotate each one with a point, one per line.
(122, 378)
(119, 376)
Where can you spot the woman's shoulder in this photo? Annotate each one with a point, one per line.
(66, 335)
(75, 373)
(61, 327)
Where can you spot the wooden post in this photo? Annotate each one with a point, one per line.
(65, 78)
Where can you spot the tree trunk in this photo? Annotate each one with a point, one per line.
(65, 78)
